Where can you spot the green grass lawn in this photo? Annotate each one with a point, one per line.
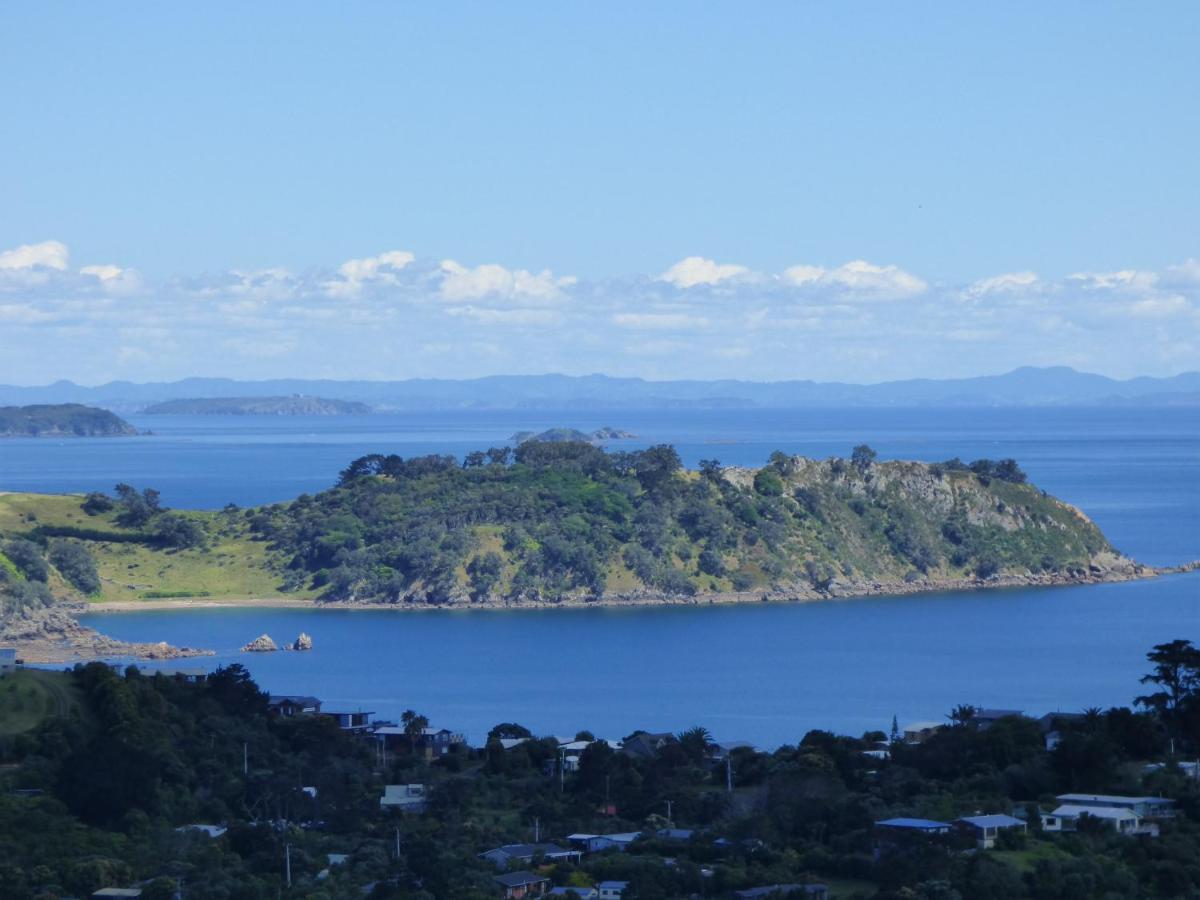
(30, 696)
(1025, 860)
(231, 566)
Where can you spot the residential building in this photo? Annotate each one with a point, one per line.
(8, 660)
(526, 854)
(289, 705)
(645, 745)
(612, 890)
(986, 718)
(1066, 818)
(1143, 807)
(403, 797)
(913, 826)
(919, 732)
(583, 893)
(516, 885)
(595, 843)
(985, 829)
(352, 721)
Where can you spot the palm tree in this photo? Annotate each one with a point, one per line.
(695, 742)
(962, 714)
(414, 725)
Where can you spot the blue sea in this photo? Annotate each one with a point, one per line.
(764, 673)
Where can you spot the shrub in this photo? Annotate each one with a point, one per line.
(75, 564)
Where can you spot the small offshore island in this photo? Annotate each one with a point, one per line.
(295, 405)
(62, 420)
(547, 524)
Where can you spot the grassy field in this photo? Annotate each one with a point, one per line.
(1025, 860)
(29, 696)
(231, 566)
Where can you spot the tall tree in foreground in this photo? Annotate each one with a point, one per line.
(1177, 700)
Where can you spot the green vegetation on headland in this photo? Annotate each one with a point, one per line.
(295, 405)
(573, 435)
(553, 522)
(61, 420)
(196, 789)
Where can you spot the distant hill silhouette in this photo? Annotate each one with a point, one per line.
(1056, 386)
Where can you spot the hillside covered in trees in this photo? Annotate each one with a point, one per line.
(195, 790)
(553, 521)
(556, 522)
(61, 420)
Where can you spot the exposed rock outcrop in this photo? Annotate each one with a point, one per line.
(52, 635)
(303, 642)
(261, 644)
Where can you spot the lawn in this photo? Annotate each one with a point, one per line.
(1025, 860)
(231, 566)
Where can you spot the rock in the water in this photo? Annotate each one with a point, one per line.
(260, 644)
(303, 642)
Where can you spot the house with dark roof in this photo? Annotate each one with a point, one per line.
(357, 721)
(645, 744)
(289, 705)
(986, 718)
(516, 885)
(985, 829)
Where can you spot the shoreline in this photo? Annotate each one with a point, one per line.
(55, 636)
(800, 593)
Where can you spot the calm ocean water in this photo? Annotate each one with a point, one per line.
(762, 673)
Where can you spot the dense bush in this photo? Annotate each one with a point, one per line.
(75, 564)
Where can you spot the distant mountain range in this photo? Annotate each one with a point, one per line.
(1057, 386)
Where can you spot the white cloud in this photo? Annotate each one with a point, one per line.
(1159, 307)
(461, 282)
(102, 273)
(353, 274)
(696, 270)
(24, 314)
(491, 316)
(1010, 282)
(1127, 280)
(859, 277)
(46, 255)
(656, 321)
(1187, 272)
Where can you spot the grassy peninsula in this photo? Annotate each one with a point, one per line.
(566, 523)
(61, 420)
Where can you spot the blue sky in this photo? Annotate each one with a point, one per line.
(996, 184)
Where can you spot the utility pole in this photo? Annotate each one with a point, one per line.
(562, 771)
(537, 829)
(670, 821)
(728, 775)
(287, 850)
(245, 758)
(397, 842)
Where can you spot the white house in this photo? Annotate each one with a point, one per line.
(1067, 816)
(404, 797)
(1143, 807)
